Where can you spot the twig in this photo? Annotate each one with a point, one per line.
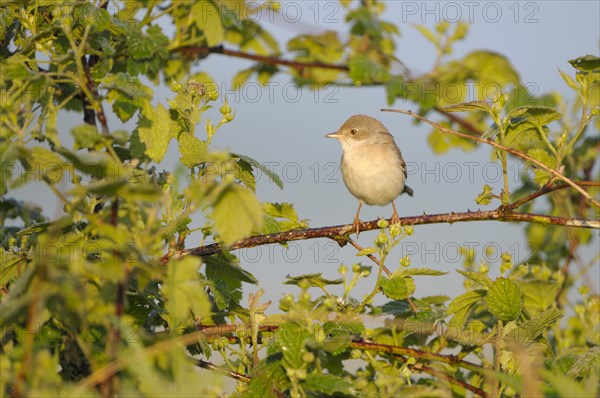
(370, 256)
(202, 51)
(229, 373)
(334, 232)
(441, 375)
(459, 120)
(546, 190)
(504, 148)
(411, 352)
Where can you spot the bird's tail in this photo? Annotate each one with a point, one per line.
(408, 190)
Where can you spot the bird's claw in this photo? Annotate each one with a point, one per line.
(356, 225)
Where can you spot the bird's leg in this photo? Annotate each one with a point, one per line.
(356, 223)
(395, 219)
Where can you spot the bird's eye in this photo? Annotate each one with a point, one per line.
(353, 131)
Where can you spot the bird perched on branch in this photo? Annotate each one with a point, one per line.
(372, 165)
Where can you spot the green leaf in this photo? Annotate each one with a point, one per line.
(403, 272)
(538, 295)
(291, 338)
(273, 177)
(397, 288)
(485, 197)
(504, 299)
(478, 277)
(284, 211)
(156, 129)
(570, 81)
(241, 78)
(86, 136)
(542, 176)
(470, 107)
(363, 70)
(193, 150)
(183, 292)
(427, 33)
(465, 300)
(243, 172)
(586, 364)
(586, 63)
(538, 115)
(490, 70)
(327, 384)
(236, 214)
(313, 280)
(208, 18)
(461, 306)
(535, 327)
(127, 94)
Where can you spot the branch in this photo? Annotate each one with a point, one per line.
(370, 256)
(202, 51)
(229, 373)
(441, 375)
(411, 352)
(340, 233)
(459, 120)
(546, 190)
(504, 148)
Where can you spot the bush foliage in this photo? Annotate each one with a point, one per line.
(107, 295)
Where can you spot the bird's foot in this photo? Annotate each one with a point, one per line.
(395, 219)
(356, 225)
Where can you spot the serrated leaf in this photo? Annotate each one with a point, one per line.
(542, 176)
(313, 280)
(478, 277)
(403, 272)
(254, 163)
(470, 107)
(183, 292)
(363, 70)
(155, 130)
(291, 337)
(243, 172)
(193, 150)
(465, 300)
(538, 295)
(586, 63)
(504, 299)
(208, 18)
(485, 197)
(236, 214)
(586, 363)
(397, 288)
(538, 115)
(461, 306)
(86, 136)
(535, 327)
(570, 81)
(284, 211)
(327, 384)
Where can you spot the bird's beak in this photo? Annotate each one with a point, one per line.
(333, 135)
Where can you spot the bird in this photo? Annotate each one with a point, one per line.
(372, 166)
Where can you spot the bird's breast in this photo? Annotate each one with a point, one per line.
(373, 173)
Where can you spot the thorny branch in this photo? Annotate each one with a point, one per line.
(340, 233)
